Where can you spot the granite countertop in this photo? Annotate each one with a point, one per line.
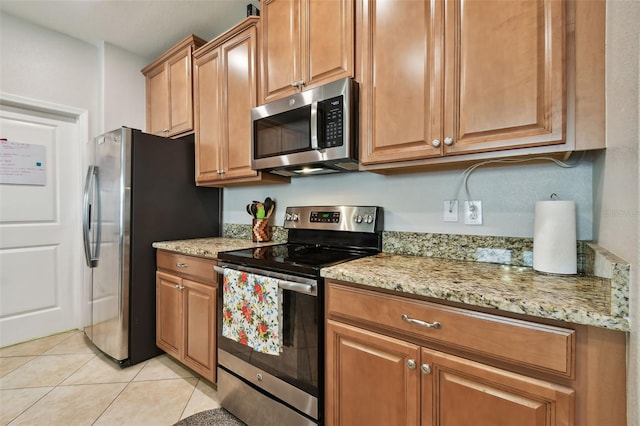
(577, 299)
(207, 247)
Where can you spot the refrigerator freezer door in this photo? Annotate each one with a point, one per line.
(110, 292)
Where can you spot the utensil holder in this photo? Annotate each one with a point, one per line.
(261, 231)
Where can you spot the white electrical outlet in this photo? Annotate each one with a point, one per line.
(473, 212)
(450, 211)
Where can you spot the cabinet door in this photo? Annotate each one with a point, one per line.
(239, 57)
(281, 41)
(368, 379)
(158, 101)
(180, 93)
(200, 328)
(328, 41)
(169, 325)
(400, 88)
(459, 392)
(504, 73)
(208, 116)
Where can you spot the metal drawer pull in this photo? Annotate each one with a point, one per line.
(406, 318)
(411, 364)
(426, 368)
(182, 265)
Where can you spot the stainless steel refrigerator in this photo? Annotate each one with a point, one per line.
(140, 188)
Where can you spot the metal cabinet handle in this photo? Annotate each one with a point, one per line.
(411, 364)
(448, 141)
(298, 84)
(426, 368)
(182, 265)
(435, 143)
(406, 318)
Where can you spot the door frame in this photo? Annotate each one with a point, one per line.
(81, 273)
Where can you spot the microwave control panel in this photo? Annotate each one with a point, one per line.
(332, 127)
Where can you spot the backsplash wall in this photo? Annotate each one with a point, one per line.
(414, 202)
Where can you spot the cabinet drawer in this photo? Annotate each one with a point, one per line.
(538, 346)
(195, 267)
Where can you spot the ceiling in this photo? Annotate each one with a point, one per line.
(146, 28)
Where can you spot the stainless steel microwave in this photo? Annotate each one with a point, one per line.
(309, 133)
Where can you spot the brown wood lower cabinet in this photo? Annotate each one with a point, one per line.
(379, 380)
(186, 312)
(394, 360)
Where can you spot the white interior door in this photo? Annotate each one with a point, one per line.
(40, 231)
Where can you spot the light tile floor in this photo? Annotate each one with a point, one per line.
(62, 380)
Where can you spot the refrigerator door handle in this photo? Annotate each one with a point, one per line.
(90, 188)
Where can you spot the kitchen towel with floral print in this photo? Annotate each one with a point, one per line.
(250, 311)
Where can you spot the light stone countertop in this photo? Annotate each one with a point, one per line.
(207, 247)
(577, 299)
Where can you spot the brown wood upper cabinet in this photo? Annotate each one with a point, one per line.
(305, 43)
(169, 87)
(478, 77)
(225, 90)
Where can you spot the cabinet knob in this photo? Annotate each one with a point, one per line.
(435, 143)
(165, 130)
(426, 368)
(411, 364)
(448, 141)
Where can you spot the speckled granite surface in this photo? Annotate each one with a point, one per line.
(475, 270)
(207, 247)
(577, 299)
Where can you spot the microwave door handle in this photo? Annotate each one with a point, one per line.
(314, 125)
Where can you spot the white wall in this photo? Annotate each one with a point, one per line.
(616, 176)
(48, 66)
(414, 202)
(123, 89)
(43, 65)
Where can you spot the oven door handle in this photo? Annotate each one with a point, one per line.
(297, 287)
(283, 284)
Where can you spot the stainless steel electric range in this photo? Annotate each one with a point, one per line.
(271, 348)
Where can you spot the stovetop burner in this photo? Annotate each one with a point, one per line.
(293, 258)
(318, 237)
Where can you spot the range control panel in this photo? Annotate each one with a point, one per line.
(337, 218)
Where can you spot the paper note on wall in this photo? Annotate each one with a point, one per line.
(22, 163)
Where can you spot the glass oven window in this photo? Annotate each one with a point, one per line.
(297, 364)
(284, 133)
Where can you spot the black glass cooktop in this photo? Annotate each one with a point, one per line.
(300, 259)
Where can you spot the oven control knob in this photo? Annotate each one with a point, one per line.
(295, 217)
(368, 219)
(287, 216)
(358, 219)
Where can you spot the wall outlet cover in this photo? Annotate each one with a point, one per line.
(450, 211)
(473, 212)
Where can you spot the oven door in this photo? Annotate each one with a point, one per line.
(292, 375)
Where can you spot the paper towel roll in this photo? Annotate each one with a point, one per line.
(554, 237)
